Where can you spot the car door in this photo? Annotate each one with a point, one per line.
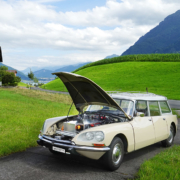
(144, 134)
(159, 121)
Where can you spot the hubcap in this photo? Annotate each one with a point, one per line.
(170, 138)
(116, 155)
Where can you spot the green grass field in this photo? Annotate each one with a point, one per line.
(165, 165)
(160, 77)
(22, 84)
(22, 115)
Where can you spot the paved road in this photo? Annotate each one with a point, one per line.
(172, 103)
(38, 163)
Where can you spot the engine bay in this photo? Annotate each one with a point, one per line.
(71, 126)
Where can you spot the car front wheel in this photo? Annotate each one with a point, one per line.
(113, 158)
(169, 141)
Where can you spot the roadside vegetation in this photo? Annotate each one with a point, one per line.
(164, 165)
(159, 77)
(23, 113)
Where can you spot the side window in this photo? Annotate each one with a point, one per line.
(141, 106)
(154, 108)
(164, 107)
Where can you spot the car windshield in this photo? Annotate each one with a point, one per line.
(126, 105)
(104, 109)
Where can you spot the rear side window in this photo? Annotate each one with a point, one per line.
(164, 107)
(154, 108)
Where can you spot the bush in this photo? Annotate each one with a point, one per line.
(9, 78)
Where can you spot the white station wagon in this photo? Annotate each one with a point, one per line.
(108, 125)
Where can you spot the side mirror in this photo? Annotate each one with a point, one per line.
(140, 114)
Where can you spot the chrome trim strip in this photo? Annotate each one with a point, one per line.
(84, 148)
(81, 148)
(47, 141)
(56, 140)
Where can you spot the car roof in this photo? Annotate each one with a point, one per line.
(137, 96)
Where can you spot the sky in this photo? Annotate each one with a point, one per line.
(46, 33)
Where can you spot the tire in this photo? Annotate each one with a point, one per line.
(169, 141)
(113, 158)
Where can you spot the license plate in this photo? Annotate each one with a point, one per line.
(58, 149)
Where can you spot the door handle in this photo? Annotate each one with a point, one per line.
(150, 119)
(164, 118)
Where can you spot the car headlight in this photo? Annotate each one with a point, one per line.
(99, 136)
(89, 136)
(92, 136)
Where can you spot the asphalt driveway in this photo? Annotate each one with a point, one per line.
(39, 164)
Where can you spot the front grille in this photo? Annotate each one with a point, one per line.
(66, 133)
(53, 140)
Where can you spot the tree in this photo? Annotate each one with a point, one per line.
(3, 68)
(17, 79)
(8, 78)
(31, 75)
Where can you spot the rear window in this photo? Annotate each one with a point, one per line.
(164, 107)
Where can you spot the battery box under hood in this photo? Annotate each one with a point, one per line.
(85, 92)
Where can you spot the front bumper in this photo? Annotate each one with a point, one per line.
(69, 145)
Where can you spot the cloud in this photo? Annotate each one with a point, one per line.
(42, 60)
(76, 36)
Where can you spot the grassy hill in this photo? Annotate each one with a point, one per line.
(160, 73)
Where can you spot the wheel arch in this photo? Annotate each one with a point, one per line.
(124, 140)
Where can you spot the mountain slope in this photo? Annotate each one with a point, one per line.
(43, 73)
(164, 38)
(19, 73)
(71, 68)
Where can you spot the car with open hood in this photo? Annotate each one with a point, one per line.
(108, 125)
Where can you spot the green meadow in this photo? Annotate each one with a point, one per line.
(159, 77)
(164, 165)
(22, 115)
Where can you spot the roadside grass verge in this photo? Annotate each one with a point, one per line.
(159, 77)
(165, 165)
(22, 116)
(22, 84)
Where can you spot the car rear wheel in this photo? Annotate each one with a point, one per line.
(113, 158)
(169, 141)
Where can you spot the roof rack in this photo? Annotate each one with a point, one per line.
(132, 93)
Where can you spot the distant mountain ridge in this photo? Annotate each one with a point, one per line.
(164, 38)
(46, 73)
(111, 56)
(19, 73)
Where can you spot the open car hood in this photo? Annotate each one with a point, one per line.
(85, 92)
